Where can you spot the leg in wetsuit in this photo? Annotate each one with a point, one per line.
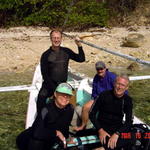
(25, 141)
(45, 92)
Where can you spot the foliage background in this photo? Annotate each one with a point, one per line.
(80, 14)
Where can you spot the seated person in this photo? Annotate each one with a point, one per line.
(103, 80)
(52, 124)
(107, 115)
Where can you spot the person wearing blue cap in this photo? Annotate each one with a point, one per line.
(51, 125)
(103, 80)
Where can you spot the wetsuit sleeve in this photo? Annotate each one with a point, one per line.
(44, 68)
(42, 128)
(94, 112)
(94, 89)
(80, 57)
(59, 122)
(67, 121)
(128, 117)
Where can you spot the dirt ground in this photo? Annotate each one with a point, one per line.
(21, 47)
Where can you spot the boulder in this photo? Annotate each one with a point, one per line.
(134, 40)
(133, 66)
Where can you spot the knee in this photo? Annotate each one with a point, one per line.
(43, 93)
(88, 105)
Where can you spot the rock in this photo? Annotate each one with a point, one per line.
(133, 28)
(133, 66)
(134, 40)
(93, 53)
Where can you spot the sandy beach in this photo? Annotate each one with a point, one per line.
(21, 47)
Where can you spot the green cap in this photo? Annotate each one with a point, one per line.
(64, 88)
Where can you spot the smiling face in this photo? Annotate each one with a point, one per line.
(56, 39)
(120, 86)
(61, 99)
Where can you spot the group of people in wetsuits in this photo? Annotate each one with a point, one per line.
(108, 104)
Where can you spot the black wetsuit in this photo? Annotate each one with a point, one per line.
(54, 69)
(107, 113)
(42, 134)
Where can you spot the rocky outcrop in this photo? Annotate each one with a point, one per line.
(134, 40)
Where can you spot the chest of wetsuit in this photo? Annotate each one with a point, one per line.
(54, 63)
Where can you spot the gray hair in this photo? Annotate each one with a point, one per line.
(124, 76)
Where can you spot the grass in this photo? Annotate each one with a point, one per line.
(139, 90)
(13, 106)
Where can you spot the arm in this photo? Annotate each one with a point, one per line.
(40, 126)
(61, 137)
(80, 57)
(44, 68)
(94, 111)
(128, 116)
(93, 117)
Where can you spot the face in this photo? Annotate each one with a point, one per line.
(120, 86)
(62, 99)
(56, 38)
(101, 72)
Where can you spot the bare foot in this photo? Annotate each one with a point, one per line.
(79, 128)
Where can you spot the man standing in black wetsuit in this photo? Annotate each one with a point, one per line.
(54, 66)
(107, 115)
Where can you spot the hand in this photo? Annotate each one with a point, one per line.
(71, 141)
(61, 137)
(102, 135)
(77, 39)
(113, 141)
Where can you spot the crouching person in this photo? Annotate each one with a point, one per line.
(107, 116)
(51, 126)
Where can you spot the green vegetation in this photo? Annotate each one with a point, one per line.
(139, 90)
(76, 14)
(13, 107)
(53, 13)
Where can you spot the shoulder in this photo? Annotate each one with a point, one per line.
(50, 104)
(70, 107)
(106, 93)
(96, 77)
(111, 74)
(128, 99)
(46, 52)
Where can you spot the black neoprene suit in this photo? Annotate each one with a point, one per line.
(54, 69)
(42, 134)
(107, 113)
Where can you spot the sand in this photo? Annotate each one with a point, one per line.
(21, 47)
